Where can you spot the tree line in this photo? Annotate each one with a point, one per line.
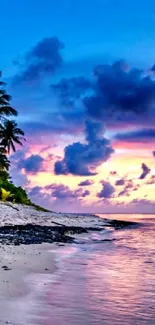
(10, 136)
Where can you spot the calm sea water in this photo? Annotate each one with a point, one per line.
(109, 283)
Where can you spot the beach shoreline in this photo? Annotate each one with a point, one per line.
(32, 247)
(27, 269)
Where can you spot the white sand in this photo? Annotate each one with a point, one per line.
(30, 267)
(18, 214)
(17, 285)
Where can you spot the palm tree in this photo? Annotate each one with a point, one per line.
(5, 107)
(4, 162)
(10, 134)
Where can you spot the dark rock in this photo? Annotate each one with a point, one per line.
(119, 224)
(37, 234)
(6, 268)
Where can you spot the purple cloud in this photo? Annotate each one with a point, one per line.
(83, 159)
(142, 135)
(145, 172)
(117, 93)
(72, 89)
(61, 191)
(151, 180)
(42, 60)
(124, 193)
(120, 182)
(107, 191)
(32, 164)
(87, 182)
(120, 90)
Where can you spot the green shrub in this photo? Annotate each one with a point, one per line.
(17, 194)
(6, 195)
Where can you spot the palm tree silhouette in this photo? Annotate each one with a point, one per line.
(5, 107)
(10, 135)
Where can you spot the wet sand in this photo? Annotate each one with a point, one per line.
(25, 270)
(20, 269)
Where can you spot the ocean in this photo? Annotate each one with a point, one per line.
(108, 282)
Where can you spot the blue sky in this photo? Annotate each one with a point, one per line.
(67, 121)
(94, 28)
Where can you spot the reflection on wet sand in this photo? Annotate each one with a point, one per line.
(120, 287)
(111, 283)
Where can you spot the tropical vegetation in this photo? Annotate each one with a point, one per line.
(10, 136)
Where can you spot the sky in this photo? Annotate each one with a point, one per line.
(82, 77)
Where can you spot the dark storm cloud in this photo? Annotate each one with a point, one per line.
(145, 170)
(72, 89)
(42, 60)
(83, 159)
(87, 182)
(142, 135)
(107, 191)
(115, 93)
(120, 90)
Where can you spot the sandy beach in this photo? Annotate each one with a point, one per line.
(24, 269)
(20, 267)
(32, 246)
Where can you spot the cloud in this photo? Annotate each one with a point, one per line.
(58, 197)
(115, 94)
(142, 135)
(145, 170)
(86, 182)
(144, 202)
(71, 90)
(124, 193)
(42, 60)
(113, 173)
(153, 153)
(35, 191)
(19, 178)
(60, 191)
(107, 191)
(120, 182)
(120, 91)
(31, 164)
(151, 180)
(83, 159)
(129, 186)
(52, 119)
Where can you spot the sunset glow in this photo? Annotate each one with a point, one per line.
(87, 114)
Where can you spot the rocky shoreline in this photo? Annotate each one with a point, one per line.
(26, 225)
(29, 248)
